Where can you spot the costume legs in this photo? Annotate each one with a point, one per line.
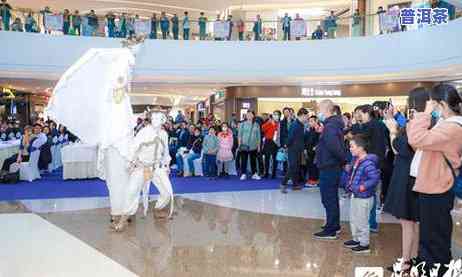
(135, 185)
(117, 178)
(162, 182)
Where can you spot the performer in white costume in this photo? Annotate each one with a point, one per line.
(151, 161)
(91, 100)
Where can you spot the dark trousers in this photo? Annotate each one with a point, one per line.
(287, 34)
(312, 169)
(294, 170)
(77, 29)
(210, 165)
(435, 229)
(175, 34)
(241, 35)
(66, 26)
(164, 34)
(270, 157)
(328, 183)
(111, 31)
(244, 160)
(28, 27)
(11, 160)
(261, 164)
(270, 149)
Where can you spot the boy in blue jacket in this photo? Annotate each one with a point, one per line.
(363, 178)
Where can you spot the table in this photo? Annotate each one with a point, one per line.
(79, 161)
(8, 149)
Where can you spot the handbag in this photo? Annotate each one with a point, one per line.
(244, 147)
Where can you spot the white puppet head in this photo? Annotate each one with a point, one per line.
(157, 120)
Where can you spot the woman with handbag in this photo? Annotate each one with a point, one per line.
(249, 137)
(434, 178)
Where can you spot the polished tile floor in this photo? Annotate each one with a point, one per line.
(211, 235)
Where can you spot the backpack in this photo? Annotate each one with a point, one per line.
(457, 187)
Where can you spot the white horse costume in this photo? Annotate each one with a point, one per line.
(151, 161)
(91, 100)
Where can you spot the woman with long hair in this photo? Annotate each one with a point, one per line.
(441, 148)
(402, 201)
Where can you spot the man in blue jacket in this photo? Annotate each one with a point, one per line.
(295, 147)
(330, 158)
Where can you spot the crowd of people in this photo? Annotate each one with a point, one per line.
(381, 157)
(43, 136)
(165, 26)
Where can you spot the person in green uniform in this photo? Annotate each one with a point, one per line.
(202, 27)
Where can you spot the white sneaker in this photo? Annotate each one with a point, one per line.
(256, 177)
(243, 177)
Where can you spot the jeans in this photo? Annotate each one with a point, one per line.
(164, 34)
(179, 162)
(175, 34)
(359, 213)
(328, 183)
(186, 34)
(110, 30)
(28, 27)
(190, 158)
(257, 36)
(210, 165)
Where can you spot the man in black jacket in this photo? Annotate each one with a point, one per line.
(330, 158)
(295, 147)
(284, 126)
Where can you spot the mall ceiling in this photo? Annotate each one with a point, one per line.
(145, 7)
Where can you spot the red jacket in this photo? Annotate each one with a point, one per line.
(269, 129)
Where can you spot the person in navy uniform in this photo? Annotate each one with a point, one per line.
(164, 25)
(175, 26)
(295, 147)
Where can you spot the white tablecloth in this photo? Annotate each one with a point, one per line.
(79, 161)
(8, 149)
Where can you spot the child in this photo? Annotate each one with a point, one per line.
(210, 149)
(225, 149)
(363, 178)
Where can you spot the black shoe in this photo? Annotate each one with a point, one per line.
(273, 176)
(323, 235)
(361, 249)
(298, 187)
(351, 244)
(266, 176)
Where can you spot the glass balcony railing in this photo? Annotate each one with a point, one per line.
(265, 30)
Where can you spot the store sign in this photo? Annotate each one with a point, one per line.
(314, 92)
(246, 105)
(201, 106)
(219, 94)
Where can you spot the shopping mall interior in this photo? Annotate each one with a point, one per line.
(215, 64)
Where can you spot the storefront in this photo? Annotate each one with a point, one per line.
(266, 99)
